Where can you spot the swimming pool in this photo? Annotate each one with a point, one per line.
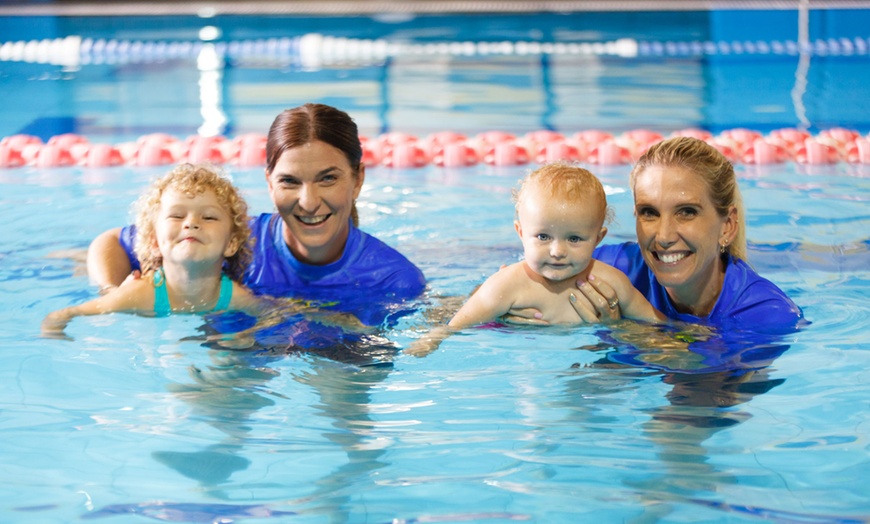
(134, 420)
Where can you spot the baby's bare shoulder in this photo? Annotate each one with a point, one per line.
(603, 269)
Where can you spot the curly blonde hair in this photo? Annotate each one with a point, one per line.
(566, 181)
(193, 179)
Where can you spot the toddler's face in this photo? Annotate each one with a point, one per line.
(558, 236)
(193, 228)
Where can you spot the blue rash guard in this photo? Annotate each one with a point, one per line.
(750, 316)
(368, 280)
(748, 301)
(371, 280)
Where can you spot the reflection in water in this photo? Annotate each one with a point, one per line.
(724, 371)
(226, 398)
(188, 512)
(345, 398)
(698, 408)
(708, 376)
(228, 394)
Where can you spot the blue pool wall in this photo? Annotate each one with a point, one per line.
(740, 89)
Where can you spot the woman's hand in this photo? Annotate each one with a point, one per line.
(132, 277)
(596, 301)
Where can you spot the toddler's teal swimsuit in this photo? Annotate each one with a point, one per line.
(161, 295)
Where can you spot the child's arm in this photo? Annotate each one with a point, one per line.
(632, 303)
(490, 301)
(127, 299)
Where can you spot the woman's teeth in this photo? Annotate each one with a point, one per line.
(670, 258)
(312, 221)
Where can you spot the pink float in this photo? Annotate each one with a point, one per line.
(609, 154)
(101, 155)
(18, 142)
(10, 156)
(484, 142)
(642, 137)
(726, 148)
(557, 151)
(592, 136)
(739, 139)
(763, 152)
(859, 152)
(817, 153)
(544, 137)
(446, 137)
(52, 155)
(246, 150)
(448, 149)
(838, 136)
(455, 155)
(373, 153)
(789, 138)
(204, 151)
(506, 154)
(435, 143)
(154, 154)
(404, 155)
(67, 140)
(396, 138)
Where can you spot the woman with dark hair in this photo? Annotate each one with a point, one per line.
(311, 248)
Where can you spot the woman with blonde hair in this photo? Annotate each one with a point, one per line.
(689, 260)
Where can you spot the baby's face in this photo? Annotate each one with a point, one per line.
(558, 236)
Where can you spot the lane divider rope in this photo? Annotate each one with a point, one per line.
(445, 149)
(314, 49)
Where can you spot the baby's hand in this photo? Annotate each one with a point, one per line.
(422, 347)
(54, 324)
(429, 342)
(528, 316)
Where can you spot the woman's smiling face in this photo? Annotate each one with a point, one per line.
(679, 231)
(314, 188)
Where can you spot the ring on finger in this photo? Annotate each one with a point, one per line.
(613, 303)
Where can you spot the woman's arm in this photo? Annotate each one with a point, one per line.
(107, 261)
(630, 302)
(609, 295)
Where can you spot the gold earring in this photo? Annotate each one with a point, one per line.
(722, 246)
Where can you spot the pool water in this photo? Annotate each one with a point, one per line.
(497, 425)
(136, 420)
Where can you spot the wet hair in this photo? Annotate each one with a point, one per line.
(704, 160)
(193, 179)
(315, 123)
(563, 181)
